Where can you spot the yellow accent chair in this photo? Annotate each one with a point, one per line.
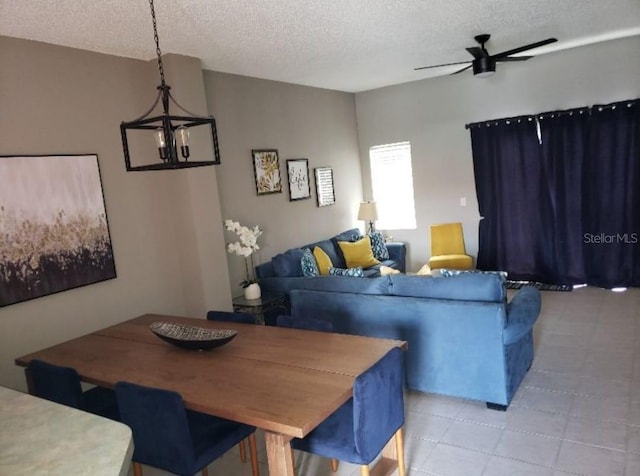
(447, 247)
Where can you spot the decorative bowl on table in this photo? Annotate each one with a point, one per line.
(191, 337)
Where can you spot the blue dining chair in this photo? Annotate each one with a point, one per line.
(62, 385)
(225, 316)
(306, 323)
(168, 436)
(359, 430)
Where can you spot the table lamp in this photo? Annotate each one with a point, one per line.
(368, 213)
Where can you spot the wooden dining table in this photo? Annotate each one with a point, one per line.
(284, 381)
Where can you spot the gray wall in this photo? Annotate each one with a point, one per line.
(165, 226)
(301, 122)
(432, 114)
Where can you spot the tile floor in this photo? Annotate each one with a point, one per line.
(576, 413)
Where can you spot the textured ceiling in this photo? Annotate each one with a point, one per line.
(348, 45)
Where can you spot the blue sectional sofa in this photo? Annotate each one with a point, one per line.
(465, 339)
(274, 274)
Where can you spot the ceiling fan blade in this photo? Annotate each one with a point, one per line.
(438, 65)
(514, 58)
(524, 48)
(477, 52)
(463, 69)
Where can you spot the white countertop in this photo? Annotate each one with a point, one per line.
(40, 437)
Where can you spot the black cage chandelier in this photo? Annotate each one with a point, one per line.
(169, 131)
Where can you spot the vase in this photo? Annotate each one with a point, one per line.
(252, 291)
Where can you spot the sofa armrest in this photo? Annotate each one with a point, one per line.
(398, 253)
(522, 313)
(265, 270)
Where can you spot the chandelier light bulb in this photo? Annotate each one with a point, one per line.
(182, 137)
(160, 141)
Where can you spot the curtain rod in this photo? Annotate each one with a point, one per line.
(542, 115)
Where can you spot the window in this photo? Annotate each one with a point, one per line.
(392, 185)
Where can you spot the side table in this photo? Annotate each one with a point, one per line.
(269, 301)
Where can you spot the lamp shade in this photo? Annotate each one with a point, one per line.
(368, 211)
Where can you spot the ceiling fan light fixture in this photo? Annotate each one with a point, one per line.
(483, 63)
(484, 67)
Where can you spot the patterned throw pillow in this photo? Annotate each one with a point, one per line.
(351, 272)
(380, 251)
(446, 273)
(308, 264)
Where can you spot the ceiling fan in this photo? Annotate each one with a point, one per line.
(484, 64)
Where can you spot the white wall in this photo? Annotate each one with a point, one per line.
(432, 114)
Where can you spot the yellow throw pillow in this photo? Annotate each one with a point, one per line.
(358, 253)
(323, 260)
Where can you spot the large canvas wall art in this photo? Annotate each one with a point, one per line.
(53, 226)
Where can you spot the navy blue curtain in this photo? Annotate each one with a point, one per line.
(559, 194)
(611, 196)
(507, 168)
(563, 141)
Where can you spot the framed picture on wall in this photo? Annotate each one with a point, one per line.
(53, 223)
(324, 186)
(298, 174)
(266, 168)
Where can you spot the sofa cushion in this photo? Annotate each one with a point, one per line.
(390, 263)
(322, 259)
(358, 253)
(288, 264)
(351, 272)
(397, 255)
(338, 284)
(465, 287)
(379, 285)
(349, 235)
(308, 264)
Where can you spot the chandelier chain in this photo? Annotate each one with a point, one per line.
(157, 40)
